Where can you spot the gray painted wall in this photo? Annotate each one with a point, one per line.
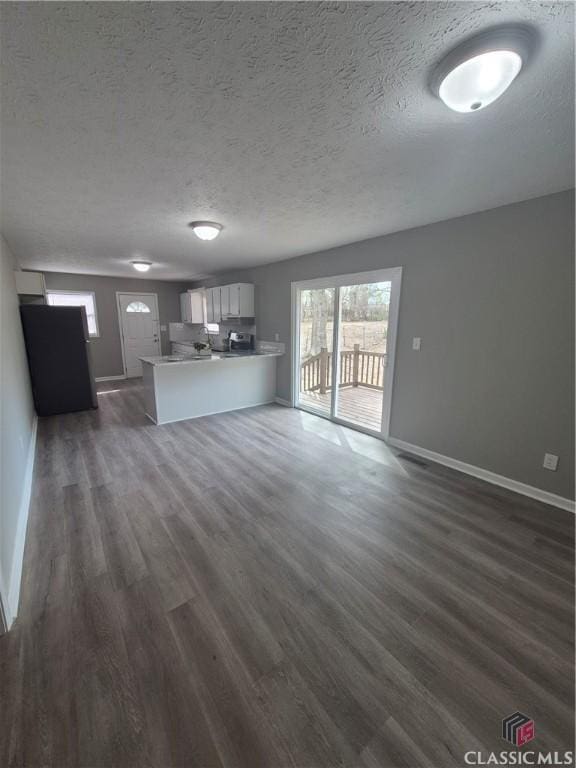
(106, 349)
(16, 428)
(491, 296)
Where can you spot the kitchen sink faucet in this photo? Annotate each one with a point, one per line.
(208, 339)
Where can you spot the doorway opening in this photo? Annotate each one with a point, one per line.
(356, 315)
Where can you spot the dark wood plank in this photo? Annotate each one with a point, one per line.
(265, 588)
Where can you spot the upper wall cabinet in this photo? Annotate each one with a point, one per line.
(193, 307)
(229, 302)
(30, 283)
(213, 305)
(236, 300)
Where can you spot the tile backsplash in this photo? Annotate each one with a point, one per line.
(217, 341)
(182, 332)
(189, 332)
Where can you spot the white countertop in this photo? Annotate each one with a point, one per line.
(215, 357)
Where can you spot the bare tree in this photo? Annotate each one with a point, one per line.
(366, 303)
(322, 310)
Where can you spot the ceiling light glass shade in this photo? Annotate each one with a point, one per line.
(479, 81)
(141, 266)
(478, 71)
(206, 230)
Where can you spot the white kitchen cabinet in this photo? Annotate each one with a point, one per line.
(217, 304)
(228, 302)
(210, 317)
(30, 283)
(234, 300)
(193, 306)
(225, 301)
(213, 305)
(238, 300)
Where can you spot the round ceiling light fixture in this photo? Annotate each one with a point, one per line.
(206, 230)
(141, 266)
(478, 71)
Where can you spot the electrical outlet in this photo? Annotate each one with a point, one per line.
(276, 337)
(550, 462)
(416, 341)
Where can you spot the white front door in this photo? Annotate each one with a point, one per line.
(139, 329)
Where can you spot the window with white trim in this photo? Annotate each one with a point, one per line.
(86, 299)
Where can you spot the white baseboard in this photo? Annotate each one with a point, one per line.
(110, 378)
(484, 474)
(13, 596)
(281, 401)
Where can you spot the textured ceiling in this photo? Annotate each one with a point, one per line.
(299, 126)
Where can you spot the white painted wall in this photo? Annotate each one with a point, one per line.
(17, 437)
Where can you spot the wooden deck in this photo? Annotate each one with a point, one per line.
(357, 405)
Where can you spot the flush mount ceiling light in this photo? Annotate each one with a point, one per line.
(478, 71)
(206, 230)
(141, 266)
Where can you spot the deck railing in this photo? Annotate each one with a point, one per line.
(358, 368)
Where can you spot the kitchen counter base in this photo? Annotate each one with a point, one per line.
(180, 391)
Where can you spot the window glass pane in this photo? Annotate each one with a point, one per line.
(137, 306)
(71, 299)
(364, 311)
(316, 334)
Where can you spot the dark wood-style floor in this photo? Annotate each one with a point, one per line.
(265, 588)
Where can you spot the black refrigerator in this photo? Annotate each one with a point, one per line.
(59, 358)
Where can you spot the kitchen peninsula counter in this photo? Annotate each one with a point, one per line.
(186, 387)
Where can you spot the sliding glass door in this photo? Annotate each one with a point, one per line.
(356, 315)
(316, 336)
(362, 345)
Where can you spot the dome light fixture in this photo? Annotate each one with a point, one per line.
(206, 230)
(477, 72)
(141, 266)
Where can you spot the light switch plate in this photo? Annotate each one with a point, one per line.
(163, 328)
(276, 337)
(416, 341)
(550, 462)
